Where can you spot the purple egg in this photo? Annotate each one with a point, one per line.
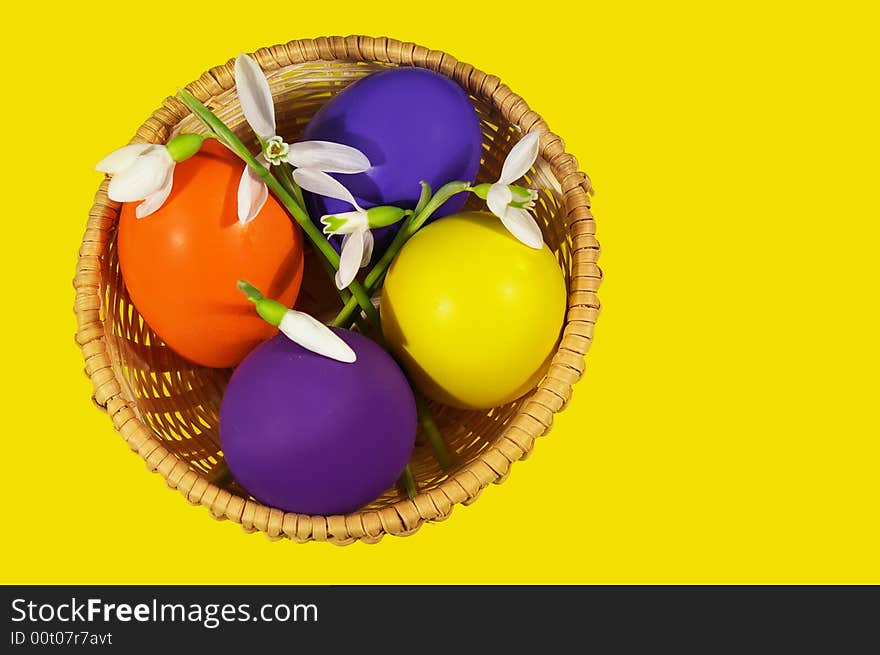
(412, 124)
(308, 434)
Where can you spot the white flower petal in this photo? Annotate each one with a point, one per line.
(369, 242)
(313, 335)
(156, 199)
(145, 175)
(255, 97)
(324, 185)
(521, 158)
(252, 195)
(328, 157)
(121, 158)
(498, 199)
(350, 258)
(522, 225)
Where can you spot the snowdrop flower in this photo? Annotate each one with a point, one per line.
(259, 111)
(313, 335)
(145, 171)
(510, 202)
(357, 240)
(299, 327)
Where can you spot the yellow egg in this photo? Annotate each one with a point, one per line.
(473, 314)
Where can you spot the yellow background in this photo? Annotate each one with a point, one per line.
(726, 429)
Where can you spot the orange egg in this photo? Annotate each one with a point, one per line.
(181, 263)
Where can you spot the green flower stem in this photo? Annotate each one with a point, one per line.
(296, 190)
(253, 294)
(231, 141)
(285, 177)
(435, 438)
(364, 327)
(410, 226)
(409, 482)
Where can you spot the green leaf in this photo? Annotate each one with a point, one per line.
(424, 197)
(443, 194)
(409, 483)
(435, 437)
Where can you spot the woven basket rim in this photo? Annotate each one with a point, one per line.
(533, 418)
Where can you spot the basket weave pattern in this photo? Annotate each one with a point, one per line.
(166, 407)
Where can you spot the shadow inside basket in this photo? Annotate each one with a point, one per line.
(180, 401)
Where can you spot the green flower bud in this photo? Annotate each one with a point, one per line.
(482, 190)
(385, 215)
(184, 146)
(271, 311)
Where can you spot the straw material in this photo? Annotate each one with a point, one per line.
(167, 408)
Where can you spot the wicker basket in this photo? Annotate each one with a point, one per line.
(166, 408)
